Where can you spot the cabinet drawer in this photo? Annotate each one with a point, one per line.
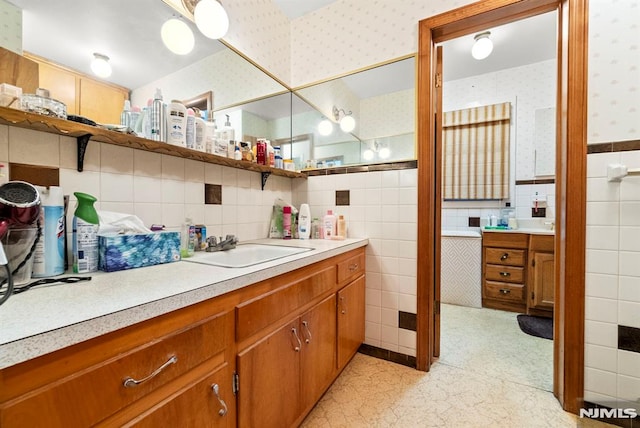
(504, 256)
(256, 314)
(503, 291)
(351, 268)
(504, 273)
(101, 388)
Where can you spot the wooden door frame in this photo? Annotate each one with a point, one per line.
(570, 176)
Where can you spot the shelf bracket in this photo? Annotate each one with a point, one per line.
(265, 176)
(83, 141)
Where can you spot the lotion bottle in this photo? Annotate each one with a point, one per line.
(177, 124)
(190, 131)
(304, 222)
(201, 134)
(342, 227)
(329, 225)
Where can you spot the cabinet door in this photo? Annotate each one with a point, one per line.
(351, 305)
(207, 403)
(318, 356)
(543, 281)
(269, 380)
(61, 85)
(99, 102)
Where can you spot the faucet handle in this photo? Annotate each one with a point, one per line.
(211, 241)
(551, 224)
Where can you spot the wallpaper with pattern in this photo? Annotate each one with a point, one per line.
(614, 71)
(11, 27)
(389, 114)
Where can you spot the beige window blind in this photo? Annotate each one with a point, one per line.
(475, 153)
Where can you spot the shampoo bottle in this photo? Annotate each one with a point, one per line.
(304, 222)
(48, 258)
(201, 134)
(85, 234)
(329, 225)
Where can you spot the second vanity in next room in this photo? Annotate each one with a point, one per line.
(185, 344)
(518, 271)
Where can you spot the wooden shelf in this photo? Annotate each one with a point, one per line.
(85, 133)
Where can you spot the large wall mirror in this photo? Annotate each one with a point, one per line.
(381, 104)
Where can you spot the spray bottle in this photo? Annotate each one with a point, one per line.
(158, 118)
(85, 234)
(48, 258)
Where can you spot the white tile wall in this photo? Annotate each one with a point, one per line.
(612, 279)
(383, 207)
(158, 188)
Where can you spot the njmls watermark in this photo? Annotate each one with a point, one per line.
(608, 413)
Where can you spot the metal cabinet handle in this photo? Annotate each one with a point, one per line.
(343, 306)
(353, 267)
(295, 334)
(130, 382)
(307, 332)
(216, 391)
(504, 257)
(505, 273)
(505, 291)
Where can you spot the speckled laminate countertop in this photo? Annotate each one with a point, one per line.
(47, 318)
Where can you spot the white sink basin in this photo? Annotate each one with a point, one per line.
(245, 255)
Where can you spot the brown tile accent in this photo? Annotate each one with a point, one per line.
(412, 164)
(629, 338)
(383, 354)
(315, 172)
(34, 174)
(342, 197)
(407, 321)
(474, 221)
(541, 212)
(614, 146)
(212, 194)
(332, 171)
(353, 169)
(536, 181)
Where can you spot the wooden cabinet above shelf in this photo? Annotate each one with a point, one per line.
(86, 133)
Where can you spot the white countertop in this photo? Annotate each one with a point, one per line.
(47, 318)
(530, 231)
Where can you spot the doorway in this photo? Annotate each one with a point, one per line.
(570, 174)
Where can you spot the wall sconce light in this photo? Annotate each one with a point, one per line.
(376, 148)
(177, 36)
(482, 46)
(325, 127)
(210, 17)
(100, 65)
(346, 121)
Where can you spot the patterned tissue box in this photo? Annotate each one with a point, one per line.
(120, 252)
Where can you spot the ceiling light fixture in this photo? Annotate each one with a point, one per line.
(177, 36)
(210, 17)
(346, 121)
(482, 46)
(100, 65)
(376, 148)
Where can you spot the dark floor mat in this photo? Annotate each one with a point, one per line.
(536, 326)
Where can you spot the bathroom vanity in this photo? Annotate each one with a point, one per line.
(185, 344)
(518, 271)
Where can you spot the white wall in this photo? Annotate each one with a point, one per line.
(613, 209)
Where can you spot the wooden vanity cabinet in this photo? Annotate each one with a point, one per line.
(541, 275)
(504, 271)
(351, 320)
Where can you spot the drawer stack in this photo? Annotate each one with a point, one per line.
(504, 271)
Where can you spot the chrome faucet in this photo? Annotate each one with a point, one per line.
(228, 243)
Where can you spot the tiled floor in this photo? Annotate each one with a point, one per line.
(455, 393)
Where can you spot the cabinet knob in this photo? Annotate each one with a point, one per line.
(504, 257)
(307, 332)
(505, 291)
(130, 382)
(505, 273)
(343, 308)
(353, 266)
(216, 391)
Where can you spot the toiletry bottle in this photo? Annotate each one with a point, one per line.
(271, 155)
(135, 116)
(125, 116)
(190, 132)
(210, 135)
(201, 134)
(229, 137)
(342, 227)
(158, 118)
(329, 225)
(187, 238)
(304, 222)
(48, 258)
(85, 234)
(261, 152)
(286, 222)
(315, 228)
(177, 124)
(278, 158)
(237, 154)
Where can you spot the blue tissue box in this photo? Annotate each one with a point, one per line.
(120, 252)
